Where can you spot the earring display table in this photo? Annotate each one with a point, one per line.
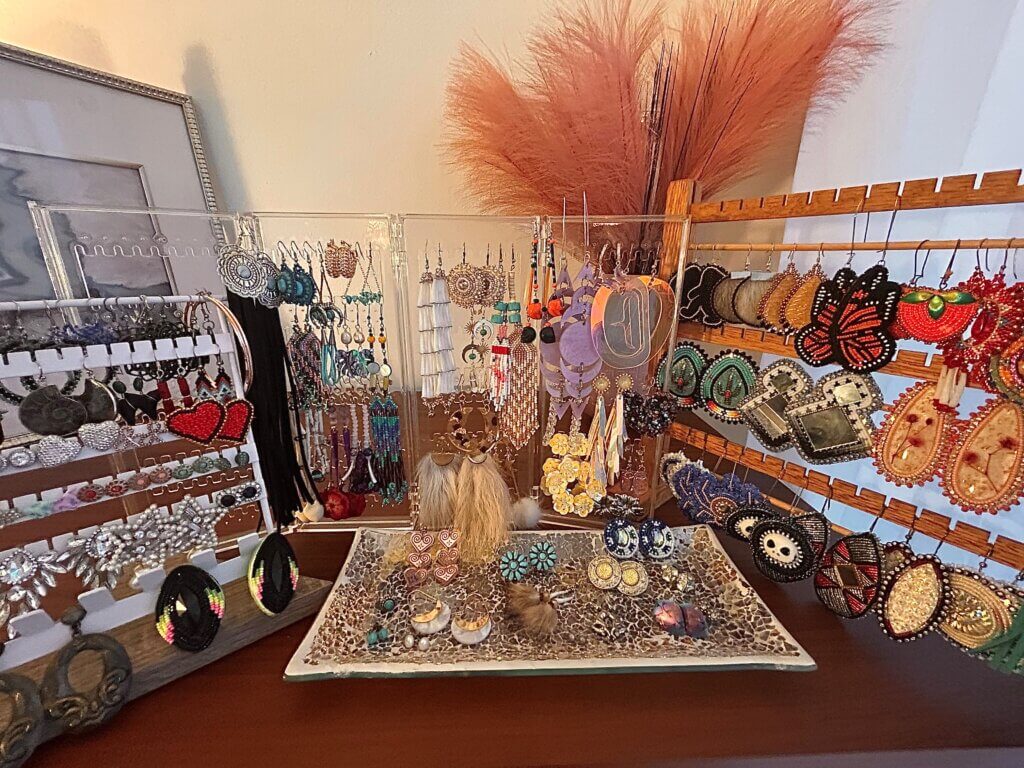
(912, 705)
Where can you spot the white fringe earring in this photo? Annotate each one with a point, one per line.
(443, 348)
(428, 360)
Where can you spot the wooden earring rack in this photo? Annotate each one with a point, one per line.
(993, 188)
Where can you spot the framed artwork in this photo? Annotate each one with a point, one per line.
(75, 136)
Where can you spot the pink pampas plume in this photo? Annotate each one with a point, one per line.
(615, 101)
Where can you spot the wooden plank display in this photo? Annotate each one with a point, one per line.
(155, 663)
(995, 187)
(992, 188)
(964, 535)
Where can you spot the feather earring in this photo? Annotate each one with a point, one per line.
(437, 477)
(483, 509)
(535, 609)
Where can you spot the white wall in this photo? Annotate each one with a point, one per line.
(311, 105)
(947, 99)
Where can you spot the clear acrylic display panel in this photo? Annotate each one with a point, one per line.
(500, 236)
(374, 233)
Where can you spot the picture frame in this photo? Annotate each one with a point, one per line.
(92, 142)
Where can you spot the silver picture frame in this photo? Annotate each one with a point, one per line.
(123, 154)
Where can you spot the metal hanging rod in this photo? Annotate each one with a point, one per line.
(116, 301)
(878, 245)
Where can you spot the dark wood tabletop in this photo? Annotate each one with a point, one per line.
(868, 695)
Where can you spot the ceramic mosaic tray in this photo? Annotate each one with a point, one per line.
(598, 632)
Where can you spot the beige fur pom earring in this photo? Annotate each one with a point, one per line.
(437, 477)
(482, 510)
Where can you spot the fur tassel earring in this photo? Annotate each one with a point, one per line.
(526, 514)
(437, 476)
(536, 609)
(483, 509)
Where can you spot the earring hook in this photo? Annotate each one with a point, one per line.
(912, 530)
(871, 528)
(888, 233)
(942, 541)
(983, 563)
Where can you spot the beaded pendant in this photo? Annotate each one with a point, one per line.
(789, 549)
(189, 609)
(726, 382)
(979, 610)
(984, 471)
(273, 574)
(779, 387)
(1005, 371)
(712, 501)
(998, 322)
(912, 443)
(848, 579)
(933, 315)
(913, 598)
(682, 376)
(774, 301)
(796, 312)
(833, 423)
(850, 320)
(699, 281)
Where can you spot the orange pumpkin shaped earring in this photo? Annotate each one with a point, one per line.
(934, 315)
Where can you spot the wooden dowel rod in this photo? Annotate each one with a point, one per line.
(878, 245)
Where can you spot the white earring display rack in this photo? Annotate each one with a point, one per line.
(179, 247)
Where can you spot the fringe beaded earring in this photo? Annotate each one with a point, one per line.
(483, 509)
(437, 476)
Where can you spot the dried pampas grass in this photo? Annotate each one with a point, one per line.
(618, 102)
(482, 510)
